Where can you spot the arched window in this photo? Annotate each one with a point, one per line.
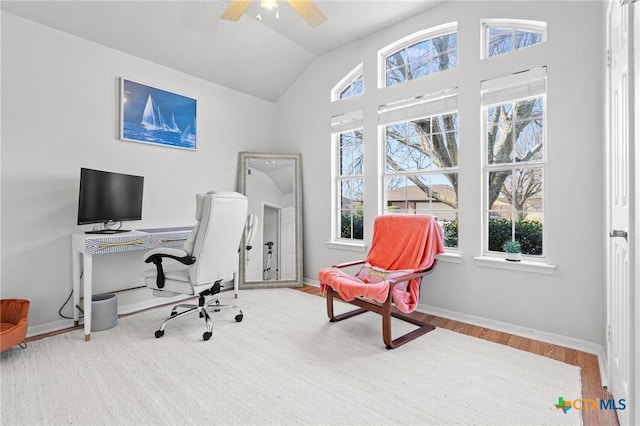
(503, 36)
(421, 54)
(350, 85)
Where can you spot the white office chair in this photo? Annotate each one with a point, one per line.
(208, 258)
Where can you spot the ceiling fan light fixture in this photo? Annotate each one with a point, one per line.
(305, 8)
(269, 4)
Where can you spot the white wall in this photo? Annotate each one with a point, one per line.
(569, 302)
(60, 112)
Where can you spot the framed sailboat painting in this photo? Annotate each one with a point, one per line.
(156, 116)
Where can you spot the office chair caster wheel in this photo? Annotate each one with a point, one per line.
(239, 317)
(159, 333)
(207, 335)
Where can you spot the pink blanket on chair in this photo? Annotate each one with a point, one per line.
(401, 244)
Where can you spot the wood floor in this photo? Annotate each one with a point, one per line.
(588, 363)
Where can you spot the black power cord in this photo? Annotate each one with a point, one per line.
(80, 309)
(65, 304)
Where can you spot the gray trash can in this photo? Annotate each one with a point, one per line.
(104, 311)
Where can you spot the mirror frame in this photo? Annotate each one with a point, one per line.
(243, 166)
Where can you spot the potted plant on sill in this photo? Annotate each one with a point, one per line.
(512, 250)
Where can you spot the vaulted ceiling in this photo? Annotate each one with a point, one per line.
(261, 59)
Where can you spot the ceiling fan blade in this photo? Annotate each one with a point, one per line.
(234, 11)
(308, 11)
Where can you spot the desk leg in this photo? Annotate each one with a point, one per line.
(88, 292)
(235, 284)
(75, 261)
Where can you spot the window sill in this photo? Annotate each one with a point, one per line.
(449, 257)
(523, 266)
(347, 246)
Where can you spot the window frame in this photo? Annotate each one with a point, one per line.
(511, 89)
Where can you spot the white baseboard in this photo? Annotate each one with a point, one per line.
(543, 336)
(37, 330)
(602, 364)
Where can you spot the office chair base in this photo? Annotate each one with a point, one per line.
(203, 311)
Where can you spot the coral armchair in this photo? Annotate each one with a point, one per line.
(403, 250)
(13, 329)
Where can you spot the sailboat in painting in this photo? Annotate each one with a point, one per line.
(152, 118)
(174, 126)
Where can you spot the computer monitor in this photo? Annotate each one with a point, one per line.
(109, 197)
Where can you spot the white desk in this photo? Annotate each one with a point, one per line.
(85, 246)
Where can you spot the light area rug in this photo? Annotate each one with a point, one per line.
(283, 364)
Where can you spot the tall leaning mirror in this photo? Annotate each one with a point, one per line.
(271, 251)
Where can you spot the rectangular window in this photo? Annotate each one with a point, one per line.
(514, 166)
(349, 185)
(421, 165)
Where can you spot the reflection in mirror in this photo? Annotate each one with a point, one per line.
(272, 255)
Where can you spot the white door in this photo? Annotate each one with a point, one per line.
(620, 199)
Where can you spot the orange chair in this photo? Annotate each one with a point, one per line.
(13, 329)
(403, 250)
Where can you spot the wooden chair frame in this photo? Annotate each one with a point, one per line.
(385, 309)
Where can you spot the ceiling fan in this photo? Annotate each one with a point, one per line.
(305, 8)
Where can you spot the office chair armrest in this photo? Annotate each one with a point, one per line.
(156, 256)
(165, 251)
